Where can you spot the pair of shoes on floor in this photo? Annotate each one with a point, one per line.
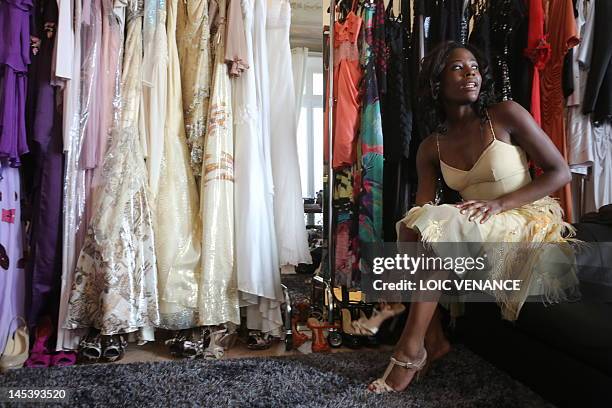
(95, 347)
(40, 356)
(16, 347)
(201, 342)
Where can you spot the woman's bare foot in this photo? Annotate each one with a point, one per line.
(400, 378)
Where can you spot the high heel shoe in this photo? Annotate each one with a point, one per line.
(215, 349)
(114, 347)
(380, 386)
(39, 355)
(16, 348)
(319, 342)
(369, 327)
(299, 338)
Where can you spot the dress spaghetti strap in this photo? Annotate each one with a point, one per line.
(490, 124)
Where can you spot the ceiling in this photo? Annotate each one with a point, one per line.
(307, 24)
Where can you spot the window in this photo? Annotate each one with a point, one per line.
(310, 128)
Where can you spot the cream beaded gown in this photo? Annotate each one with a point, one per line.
(177, 224)
(193, 39)
(218, 293)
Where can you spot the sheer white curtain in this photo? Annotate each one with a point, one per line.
(299, 60)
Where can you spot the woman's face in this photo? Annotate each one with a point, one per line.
(461, 78)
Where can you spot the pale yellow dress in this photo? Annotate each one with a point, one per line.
(177, 224)
(193, 39)
(515, 241)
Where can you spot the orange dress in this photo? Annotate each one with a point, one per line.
(347, 103)
(562, 34)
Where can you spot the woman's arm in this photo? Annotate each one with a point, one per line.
(427, 171)
(538, 146)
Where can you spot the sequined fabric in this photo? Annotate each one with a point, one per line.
(115, 283)
(177, 225)
(193, 39)
(218, 293)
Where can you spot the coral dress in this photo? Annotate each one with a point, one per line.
(347, 101)
(501, 169)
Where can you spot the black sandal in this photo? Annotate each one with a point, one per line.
(259, 341)
(175, 344)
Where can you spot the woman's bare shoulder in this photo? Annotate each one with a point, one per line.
(508, 113)
(428, 149)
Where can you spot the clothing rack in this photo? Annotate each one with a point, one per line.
(330, 146)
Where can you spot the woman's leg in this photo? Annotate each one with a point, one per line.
(411, 343)
(436, 343)
(423, 322)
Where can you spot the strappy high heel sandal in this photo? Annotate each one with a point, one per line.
(215, 349)
(369, 327)
(196, 343)
(380, 385)
(175, 344)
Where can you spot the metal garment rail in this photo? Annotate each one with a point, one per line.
(330, 148)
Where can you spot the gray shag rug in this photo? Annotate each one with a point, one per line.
(462, 379)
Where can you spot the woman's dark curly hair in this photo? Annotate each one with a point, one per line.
(428, 89)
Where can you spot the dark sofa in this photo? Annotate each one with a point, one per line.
(564, 351)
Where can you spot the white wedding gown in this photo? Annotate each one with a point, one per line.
(288, 204)
(256, 252)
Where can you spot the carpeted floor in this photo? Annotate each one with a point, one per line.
(316, 380)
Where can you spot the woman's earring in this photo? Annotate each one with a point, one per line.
(435, 90)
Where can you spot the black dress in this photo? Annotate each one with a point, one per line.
(396, 121)
(598, 92)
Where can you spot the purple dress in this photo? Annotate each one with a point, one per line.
(14, 60)
(12, 274)
(45, 140)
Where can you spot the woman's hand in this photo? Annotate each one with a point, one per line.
(481, 208)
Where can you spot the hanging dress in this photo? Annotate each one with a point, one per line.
(218, 292)
(347, 100)
(115, 283)
(347, 106)
(12, 274)
(370, 208)
(193, 39)
(288, 204)
(76, 178)
(256, 257)
(562, 33)
(14, 60)
(155, 80)
(45, 140)
(176, 218)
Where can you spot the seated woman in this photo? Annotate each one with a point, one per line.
(481, 150)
